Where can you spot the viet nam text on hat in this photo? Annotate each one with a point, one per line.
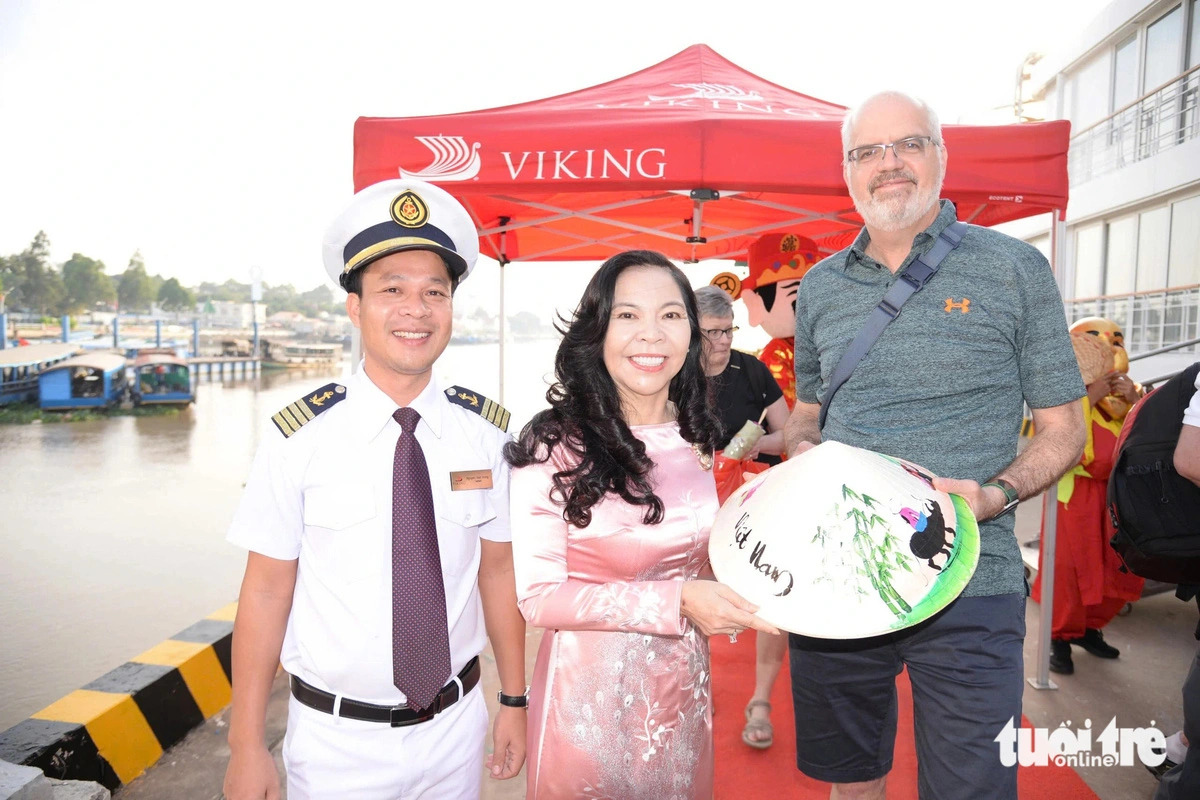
(396, 215)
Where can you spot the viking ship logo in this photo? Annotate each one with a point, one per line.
(453, 160)
(708, 91)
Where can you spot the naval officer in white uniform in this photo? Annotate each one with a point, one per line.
(376, 516)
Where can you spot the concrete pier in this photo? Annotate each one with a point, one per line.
(28, 783)
(115, 727)
(238, 366)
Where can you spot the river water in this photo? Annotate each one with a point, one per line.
(112, 532)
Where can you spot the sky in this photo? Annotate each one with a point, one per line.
(216, 138)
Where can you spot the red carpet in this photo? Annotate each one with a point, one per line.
(746, 774)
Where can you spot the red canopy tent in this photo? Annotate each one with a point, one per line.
(694, 157)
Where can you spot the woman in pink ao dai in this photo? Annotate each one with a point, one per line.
(611, 507)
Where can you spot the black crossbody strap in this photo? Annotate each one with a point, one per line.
(911, 281)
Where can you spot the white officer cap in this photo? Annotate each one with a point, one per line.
(395, 215)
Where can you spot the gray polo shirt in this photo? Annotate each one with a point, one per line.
(943, 386)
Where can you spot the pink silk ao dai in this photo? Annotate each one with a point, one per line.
(619, 704)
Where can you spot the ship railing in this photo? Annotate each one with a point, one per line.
(1154, 321)
(1162, 118)
(1153, 382)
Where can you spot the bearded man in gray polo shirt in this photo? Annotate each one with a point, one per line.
(943, 387)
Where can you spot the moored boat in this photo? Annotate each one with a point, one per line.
(95, 380)
(236, 347)
(21, 366)
(162, 378)
(284, 355)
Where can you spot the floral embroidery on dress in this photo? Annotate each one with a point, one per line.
(697, 675)
(641, 748)
(629, 606)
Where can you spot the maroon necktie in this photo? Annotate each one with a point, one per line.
(420, 642)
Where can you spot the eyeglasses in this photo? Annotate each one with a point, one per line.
(913, 146)
(716, 333)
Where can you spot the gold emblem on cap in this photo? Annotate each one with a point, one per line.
(409, 210)
(789, 243)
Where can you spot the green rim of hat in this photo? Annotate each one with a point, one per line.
(957, 572)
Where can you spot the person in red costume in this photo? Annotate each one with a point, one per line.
(1114, 406)
(777, 262)
(1089, 586)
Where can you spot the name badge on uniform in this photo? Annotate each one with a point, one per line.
(470, 479)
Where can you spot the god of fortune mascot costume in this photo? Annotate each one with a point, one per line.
(1089, 586)
(777, 262)
(1108, 331)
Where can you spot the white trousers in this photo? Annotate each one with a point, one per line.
(330, 757)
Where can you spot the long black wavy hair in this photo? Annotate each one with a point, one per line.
(585, 415)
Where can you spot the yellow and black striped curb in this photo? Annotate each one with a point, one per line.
(115, 727)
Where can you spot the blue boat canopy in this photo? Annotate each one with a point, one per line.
(35, 354)
(105, 362)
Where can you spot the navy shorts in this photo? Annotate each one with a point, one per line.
(967, 673)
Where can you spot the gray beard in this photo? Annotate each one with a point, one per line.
(884, 216)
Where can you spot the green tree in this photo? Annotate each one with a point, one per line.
(12, 280)
(133, 287)
(316, 300)
(32, 283)
(230, 290)
(280, 298)
(174, 297)
(235, 291)
(156, 284)
(525, 323)
(4, 275)
(86, 284)
(54, 293)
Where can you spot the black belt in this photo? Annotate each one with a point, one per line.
(397, 716)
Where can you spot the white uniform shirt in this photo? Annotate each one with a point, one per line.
(1191, 414)
(324, 496)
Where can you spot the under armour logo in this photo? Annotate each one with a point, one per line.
(964, 305)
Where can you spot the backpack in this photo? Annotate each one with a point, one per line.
(1155, 511)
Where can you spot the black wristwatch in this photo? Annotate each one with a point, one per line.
(1011, 498)
(514, 700)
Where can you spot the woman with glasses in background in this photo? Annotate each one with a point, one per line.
(742, 390)
(742, 385)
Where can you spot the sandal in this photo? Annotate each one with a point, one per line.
(758, 727)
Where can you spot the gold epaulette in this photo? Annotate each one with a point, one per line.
(490, 410)
(295, 416)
